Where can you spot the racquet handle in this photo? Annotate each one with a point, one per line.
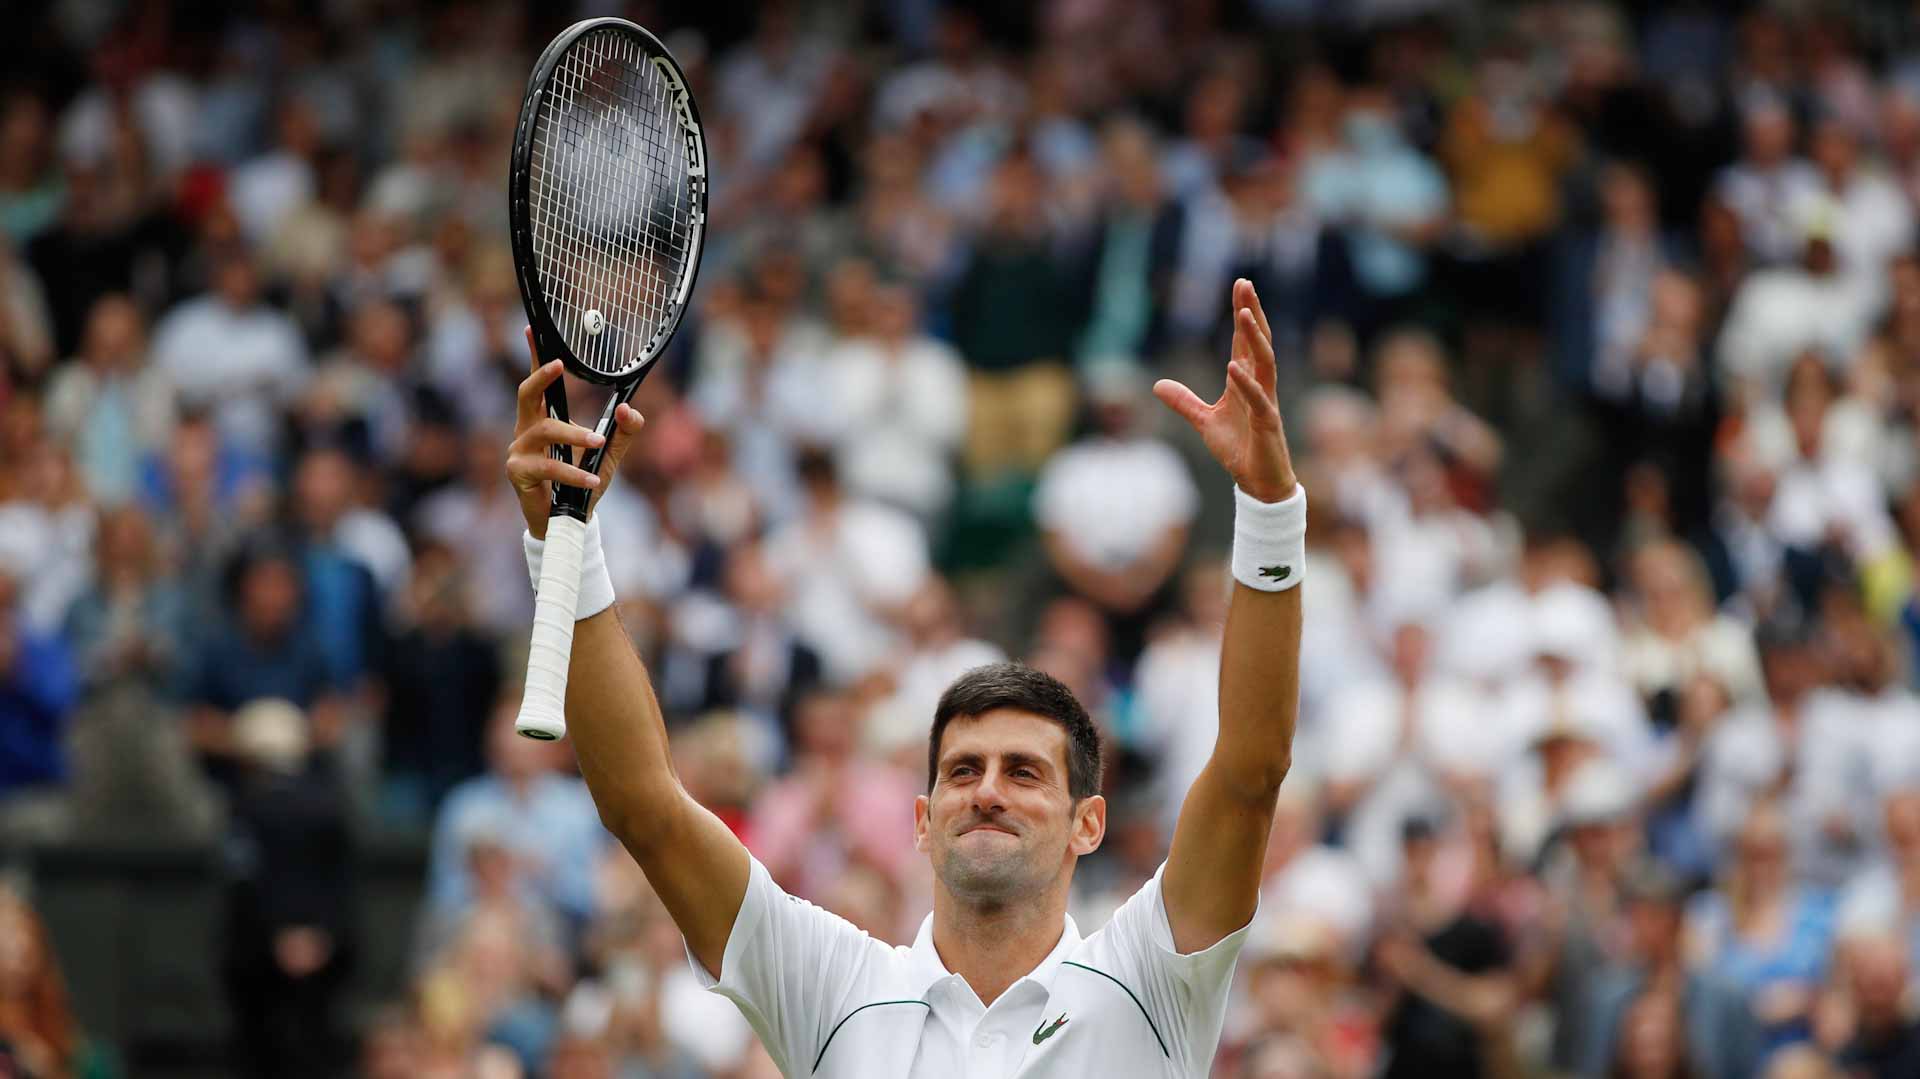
(543, 710)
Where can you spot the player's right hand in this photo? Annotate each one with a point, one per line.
(529, 466)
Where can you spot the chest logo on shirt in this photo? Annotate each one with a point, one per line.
(1043, 1031)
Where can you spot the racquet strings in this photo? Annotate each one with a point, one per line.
(609, 202)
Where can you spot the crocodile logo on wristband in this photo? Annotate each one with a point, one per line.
(1278, 573)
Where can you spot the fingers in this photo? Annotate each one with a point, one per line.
(543, 433)
(1259, 356)
(1245, 296)
(1182, 400)
(1260, 403)
(529, 471)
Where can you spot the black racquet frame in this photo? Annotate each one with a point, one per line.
(548, 341)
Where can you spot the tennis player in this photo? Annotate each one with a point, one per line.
(999, 982)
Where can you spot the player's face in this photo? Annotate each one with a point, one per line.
(1001, 822)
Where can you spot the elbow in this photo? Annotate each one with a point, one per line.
(642, 828)
(1256, 781)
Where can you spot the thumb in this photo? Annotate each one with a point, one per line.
(627, 423)
(1182, 400)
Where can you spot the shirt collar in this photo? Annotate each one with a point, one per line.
(928, 970)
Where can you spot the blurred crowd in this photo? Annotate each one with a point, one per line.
(1599, 339)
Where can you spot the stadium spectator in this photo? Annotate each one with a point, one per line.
(288, 933)
(231, 352)
(440, 675)
(130, 633)
(1718, 1035)
(39, 1034)
(834, 812)
(1762, 932)
(38, 688)
(849, 564)
(262, 648)
(543, 818)
(112, 409)
(1114, 510)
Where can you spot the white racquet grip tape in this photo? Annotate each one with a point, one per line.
(1269, 540)
(543, 709)
(596, 587)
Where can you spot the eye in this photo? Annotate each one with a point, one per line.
(1025, 773)
(960, 770)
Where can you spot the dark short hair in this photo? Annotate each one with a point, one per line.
(1022, 688)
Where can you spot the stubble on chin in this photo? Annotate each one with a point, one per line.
(987, 876)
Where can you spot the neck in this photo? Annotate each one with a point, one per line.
(993, 947)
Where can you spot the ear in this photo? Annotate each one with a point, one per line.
(1089, 825)
(922, 822)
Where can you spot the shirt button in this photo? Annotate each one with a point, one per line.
(983, 1040)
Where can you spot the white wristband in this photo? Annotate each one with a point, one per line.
(596, 587)
(1269, 540)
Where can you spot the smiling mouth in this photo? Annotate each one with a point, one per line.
(986, 828)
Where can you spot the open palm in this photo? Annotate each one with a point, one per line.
(1242, 429)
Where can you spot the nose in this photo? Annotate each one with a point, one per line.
(988, 797)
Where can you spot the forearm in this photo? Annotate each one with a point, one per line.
(1259, 688)
(617, 728)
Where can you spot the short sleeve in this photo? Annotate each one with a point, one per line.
(1184, 996)
(790, 967)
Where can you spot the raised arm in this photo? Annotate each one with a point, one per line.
(692, 860)
(1212, 879)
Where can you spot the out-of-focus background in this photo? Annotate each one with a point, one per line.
(1599, 338)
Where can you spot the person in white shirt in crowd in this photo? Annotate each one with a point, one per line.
(1352, 617)
(1343, 434)
(1872, 221)
(1538, 787)
(230, 352)
(1764, 186)
(904, 394)
(1114, 508)
(1808, 740)
(267, 189)
(1571, 705)
(1886, 893)
(1822, 492)
(849, 564)
(999, 978)
(938, 649)
(1486, 634)
(761, 377)
(1307, 879)
(1402, 746)
(1675, 634)
(112, 407)
(1779, 314)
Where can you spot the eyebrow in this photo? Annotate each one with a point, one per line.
(1014, 758)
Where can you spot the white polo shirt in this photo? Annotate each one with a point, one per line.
(829, 1000)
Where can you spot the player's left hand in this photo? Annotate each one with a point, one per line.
(1242, 429)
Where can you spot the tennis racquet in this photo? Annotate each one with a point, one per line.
(607, 202)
